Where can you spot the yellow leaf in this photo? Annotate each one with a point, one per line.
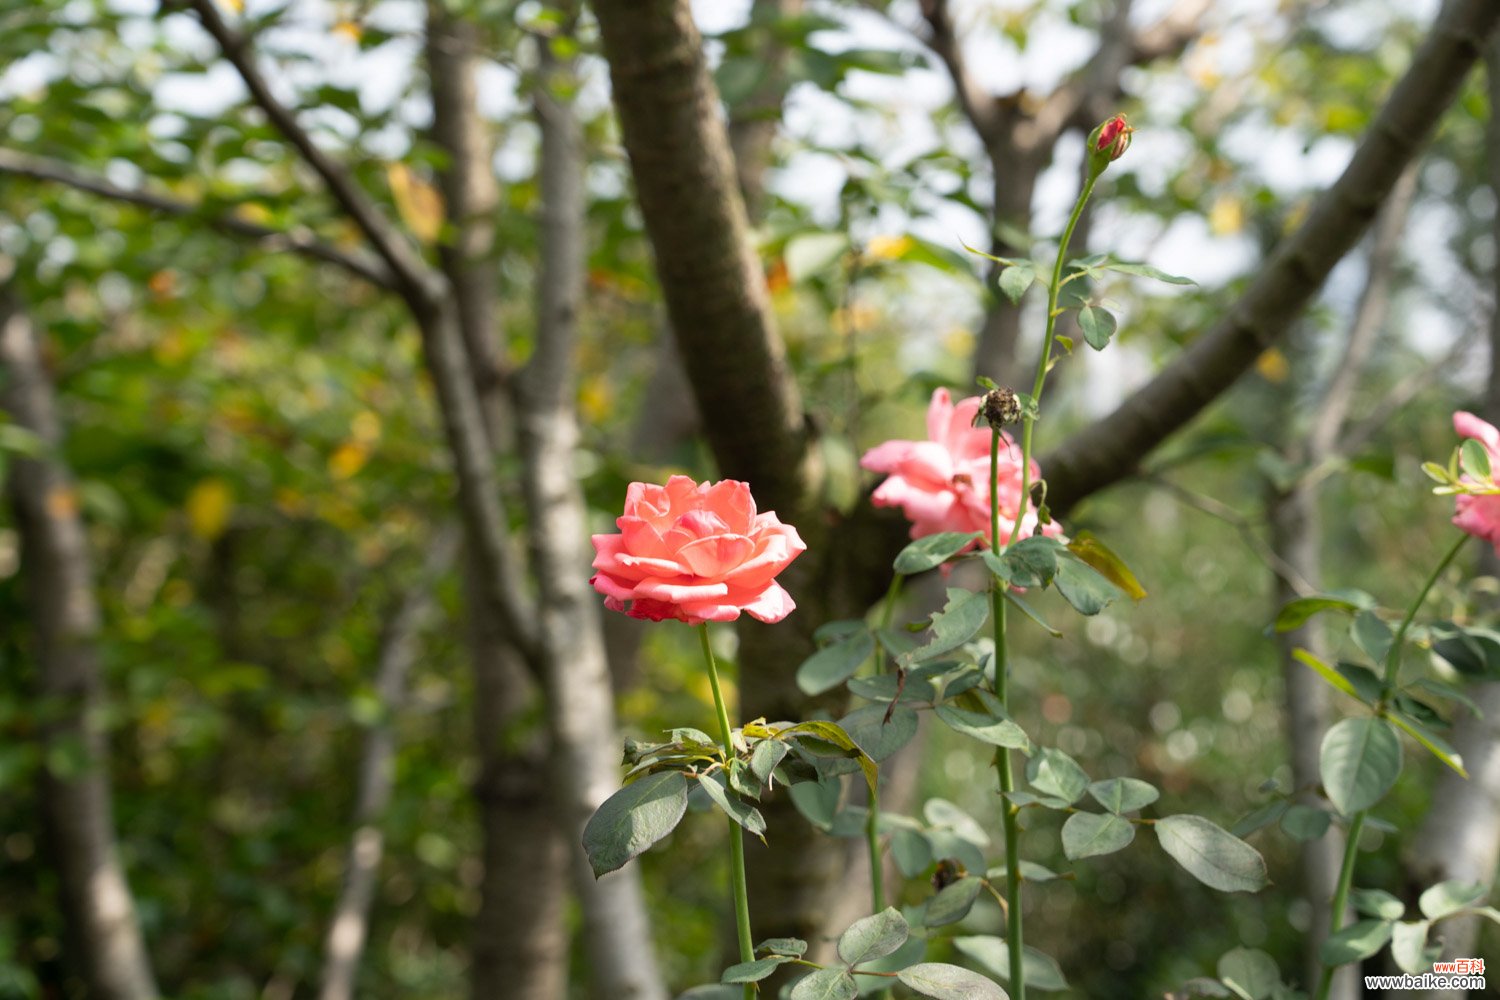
(1227, 216)
(1273, 366)
(1103, 559)
(209, 505)
(418, 203)
(347, 459)
(888, 247)
(365, 427)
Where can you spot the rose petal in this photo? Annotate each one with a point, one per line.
(678, 591)
(772, 605)
(714, 557)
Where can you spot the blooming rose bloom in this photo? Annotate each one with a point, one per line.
(943, 483)
(695, 553)
(1479, 515)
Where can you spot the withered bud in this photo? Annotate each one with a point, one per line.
(1000, 407)
(948, 872)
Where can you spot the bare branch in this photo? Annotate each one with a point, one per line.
(1284, 570)
(399, 646)
(1110, 449)
(414, 278)
(979, 106)
(299, 241)
(1369, 317)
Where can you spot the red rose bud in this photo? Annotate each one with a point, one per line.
(1108, 143)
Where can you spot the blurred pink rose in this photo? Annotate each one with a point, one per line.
(942, 484)
(1479, 515)
(695, 553)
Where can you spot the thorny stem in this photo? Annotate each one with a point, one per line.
(1357, 821)
(872, 832)
(1002, 754)
(1028, 421)
(736, 835)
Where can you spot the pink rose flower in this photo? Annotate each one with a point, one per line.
(943, 483)
(695, 553)
(1479, 515)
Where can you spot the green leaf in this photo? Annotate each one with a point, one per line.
(1323, 670)
(1211, 854)
(1296, 613)
(989, 725)
(1014, 280)
(633, 819)
(1473, 651)
(1084, 587)
(1372, 635)
(1358, 941)
(931, 551)
(873, 936)
(1474, 459)
(1030, 872)
(942, 813)
(833, 664)
(1042, 971)
(1031, 562)
(949, 982)
(764, 758)
(1088, 835)
(826, 984)
(911, 851)
(1377, 903)
(795, 947)
(883, 688)
(1123, 795)
(753, 971)
(1253, 973)
(1409, 947)
(1447, 898)
(870, 731)
(733, 806)
(1360, 760)
(953, 902)
(1435, 744)
(713, 991)
(1147, 271)
(817, 801)
(813, 253)
(833, 733)
(1098, 325)
(1260, 817)
(1029, 612)
(1303, 822)
(1053, 772)
(959, 621)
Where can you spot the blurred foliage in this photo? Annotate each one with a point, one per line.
(261, 471)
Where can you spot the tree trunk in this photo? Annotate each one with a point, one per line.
(75, 787)
(1458, 838)
(520, 940)
(580, 703)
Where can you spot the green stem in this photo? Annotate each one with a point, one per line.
(1341, 894)
(1393, 655)
(736, 835)
(1357, 821)
(872, 832)
(1013, 937)
(1028, 421)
